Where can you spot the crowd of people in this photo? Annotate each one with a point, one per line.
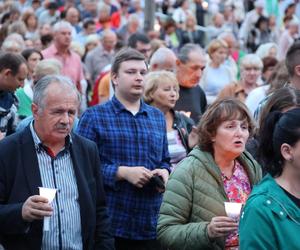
(145, 133)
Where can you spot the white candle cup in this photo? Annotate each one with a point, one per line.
(48, 193)
(46, 224)
(233, 209)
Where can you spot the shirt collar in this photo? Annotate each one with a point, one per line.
(119, 107)
(38, 144)
(54, 50)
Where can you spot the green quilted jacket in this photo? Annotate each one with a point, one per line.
(194, 194)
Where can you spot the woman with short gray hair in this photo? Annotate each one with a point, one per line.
(251, 69)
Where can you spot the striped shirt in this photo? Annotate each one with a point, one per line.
(57, 172)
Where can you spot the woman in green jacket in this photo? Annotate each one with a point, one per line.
(271, 217)
(192, 215)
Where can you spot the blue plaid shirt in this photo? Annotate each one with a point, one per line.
(125, 139)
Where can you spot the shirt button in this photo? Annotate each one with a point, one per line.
(56, 172)
(58, 190)
(281, 213)
(63, 231)
(268, 202)
(62, 211)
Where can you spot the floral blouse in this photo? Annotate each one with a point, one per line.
(237, 188)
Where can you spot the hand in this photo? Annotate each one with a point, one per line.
(163, 173)
(138, 176)
(36, 208)
(193, 137)
(186, 113)
(221, 226)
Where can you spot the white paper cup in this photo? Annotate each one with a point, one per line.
(48, 193)
(233, 209)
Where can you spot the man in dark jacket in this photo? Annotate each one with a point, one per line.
(46, 154)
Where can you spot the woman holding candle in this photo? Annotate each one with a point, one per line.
(218, 170)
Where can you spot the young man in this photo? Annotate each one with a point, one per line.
(132, 143)
(13, 71)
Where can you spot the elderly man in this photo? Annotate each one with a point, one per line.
(13, 71)
(46, 154)
(60, 50)
(190, 65)
(102, 55)
(163, 59)
(73, 16)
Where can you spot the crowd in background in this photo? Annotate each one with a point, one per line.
(227, 30)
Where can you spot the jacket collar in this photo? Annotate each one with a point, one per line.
(277, 199)
(30, 163)
(245, 159)
(34, 180)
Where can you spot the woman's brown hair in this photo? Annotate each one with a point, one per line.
(219, 111)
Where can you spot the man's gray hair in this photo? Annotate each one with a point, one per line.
(40, 89)
(159, 56)
(46, 67)
(226, 34)
(185, 51)
(13, 38)
(62, 25)
(133, 18)
(106, 33)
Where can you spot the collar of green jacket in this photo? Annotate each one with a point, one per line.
(252, 168)
(276, 199)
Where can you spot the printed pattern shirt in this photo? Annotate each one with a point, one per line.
(237, 188)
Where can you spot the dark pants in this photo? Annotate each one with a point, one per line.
(125, 244)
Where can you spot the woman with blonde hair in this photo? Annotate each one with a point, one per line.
(162, 91)
(216, 74)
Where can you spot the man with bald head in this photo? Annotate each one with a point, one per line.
(163, 59)
(73, 16)
(102, 55)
